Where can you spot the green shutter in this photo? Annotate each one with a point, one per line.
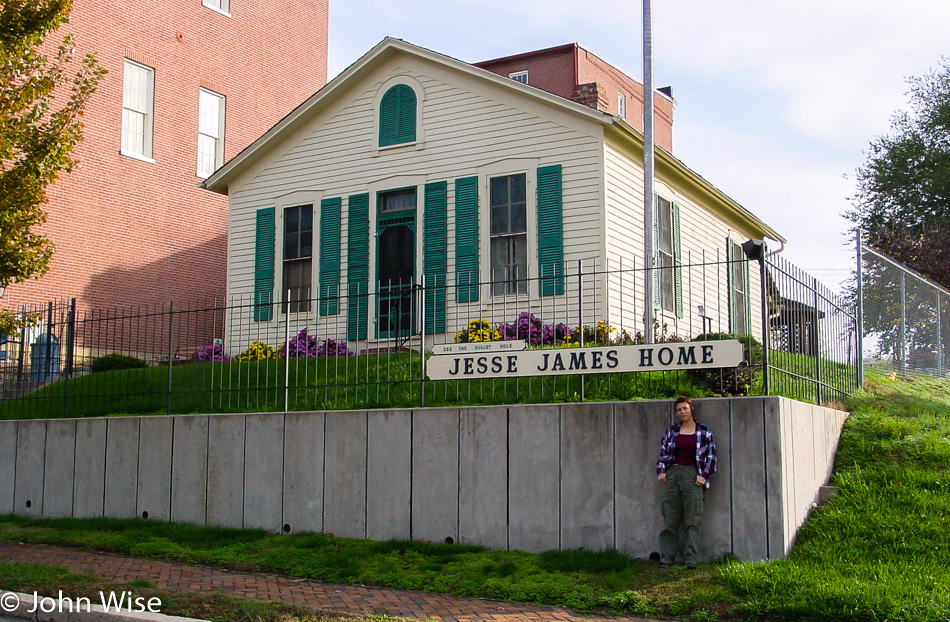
(748, 294)
(397, 116)
(677, 261)
(264, 265)
(550, 230)
(731, 256)
(466, 239)
(329, 256)
(435, 252)
(357, 266)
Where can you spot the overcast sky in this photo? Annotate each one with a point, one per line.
(777, 101)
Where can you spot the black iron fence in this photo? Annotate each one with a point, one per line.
(355, 348)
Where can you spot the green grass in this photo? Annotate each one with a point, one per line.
(385, 381)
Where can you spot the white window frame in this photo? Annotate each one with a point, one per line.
(137, 108)
(740, 322)
(218, 6)
(621, 105)
(665, 261)
(210, 129)
(519, 76)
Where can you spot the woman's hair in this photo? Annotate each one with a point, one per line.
(685, 400)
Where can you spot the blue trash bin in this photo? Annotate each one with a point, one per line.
(44, 358)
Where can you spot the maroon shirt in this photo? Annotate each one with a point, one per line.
(685, 450)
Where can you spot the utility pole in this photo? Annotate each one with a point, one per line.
(649, 256)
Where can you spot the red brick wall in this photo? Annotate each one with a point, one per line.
(561, 70)
(129, 231)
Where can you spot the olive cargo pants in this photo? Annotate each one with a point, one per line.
(682, 504)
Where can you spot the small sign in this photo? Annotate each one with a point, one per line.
(514, 345)
(597, 360)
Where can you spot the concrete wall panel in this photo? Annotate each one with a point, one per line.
(155, 468)
(483, 476)
(60, 468)
(226, 443)
(344, 501)
(775, 494)
(190, 470)
(533, 484)
(748, 468)
(30, 459)
(435, 473)
(716, 529)
(587, 476)
(303, 472)
(8, 435)
(389, 474)
(264, 471)
(640, 426)
(122, 461)
(89, 485)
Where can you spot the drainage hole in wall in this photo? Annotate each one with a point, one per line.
(144, 515)
(29, 503)
(450, 540)
(286, 528)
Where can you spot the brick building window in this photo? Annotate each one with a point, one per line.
(137, 110)
(210, 132)
(221, 6)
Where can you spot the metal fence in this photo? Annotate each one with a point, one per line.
(354, 349)
(906, 318)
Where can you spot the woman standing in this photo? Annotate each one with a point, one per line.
(687, 461)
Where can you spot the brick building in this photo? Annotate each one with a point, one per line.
(190, 84)
(574, 72)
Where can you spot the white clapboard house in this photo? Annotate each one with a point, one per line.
(412, 167)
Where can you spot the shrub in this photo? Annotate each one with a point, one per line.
(732, 380)
(332, 347)
(258, 351)
(531, 330)
(211, 353)
(116, 361)
(303, 346)
(476, 331)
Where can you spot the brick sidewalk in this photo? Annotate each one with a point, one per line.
(348, 598)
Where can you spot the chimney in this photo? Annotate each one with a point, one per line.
(592, 95)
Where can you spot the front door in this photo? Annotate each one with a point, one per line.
(395, 265)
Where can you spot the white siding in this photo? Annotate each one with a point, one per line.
(467, 125)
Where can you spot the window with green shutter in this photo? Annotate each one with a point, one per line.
(668, 276)
(740, 307)
(329, 256)
(436, 258)
(466, 239)
(550, 230)
(397, 116)
(264, 265)
(357, 266)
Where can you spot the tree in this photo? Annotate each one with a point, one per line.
(41, 107)
(903, 198)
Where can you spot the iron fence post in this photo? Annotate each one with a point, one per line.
(171, 328)
(815, 318)
(287, 354)
(580, 314)
(902, 343)
(939, 337)
(860, 310)
(68, 364)
(763, 294)
(47, 368)
(22, 353)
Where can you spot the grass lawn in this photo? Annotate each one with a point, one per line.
(878, 551)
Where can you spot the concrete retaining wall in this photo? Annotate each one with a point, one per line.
(521, 477)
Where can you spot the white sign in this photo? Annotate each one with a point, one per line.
(486, 346)
(564, 361)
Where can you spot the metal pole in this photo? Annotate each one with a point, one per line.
(859, 235)
(580, 315)
(902, 344)
(48, 366)
(287, 354)
(939, 337)
(68, 366)
(817, 340)
(22, 353)
(422, 340)
(648, 169)
(763, 294)
(171, 328)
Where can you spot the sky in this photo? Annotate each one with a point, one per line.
(777, 102)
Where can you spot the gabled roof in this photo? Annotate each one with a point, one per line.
(390, 47)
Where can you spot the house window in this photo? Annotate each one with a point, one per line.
(397, 200)
(519, 76)
(397, 116)
(298, 258)
(210, 132)
(137, 110)
(221, 6)
(621, 105)
(665, 255)
(509, 235)
(738, 290)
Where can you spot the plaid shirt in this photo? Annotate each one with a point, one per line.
(705, 450)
